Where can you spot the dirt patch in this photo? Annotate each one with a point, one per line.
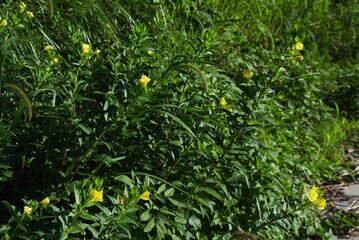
(342, 212)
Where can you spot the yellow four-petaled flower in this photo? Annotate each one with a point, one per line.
(27, 210)
(85, 48)
(48, 48)
(96, 195)
(222, 102)
(320, 203)
(145, 195)
(313, 194)
(3, 23)
(54, 60)
(247, 73)
(144, 80)
(298, 46)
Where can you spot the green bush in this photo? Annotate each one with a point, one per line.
(164, 120)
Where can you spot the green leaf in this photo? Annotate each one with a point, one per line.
(259, 210)
(85, 129)
(206, 202)
(169, 192)
(150, 225)
(161, 188)
(214, 193)
(94, 232)
(177, 203)
(88, 217)
(161, 228)
(146, 215)
(11, 210)
(4, 229)
(64, 236)
(164, 211)
(194, 221)
(180, 220)
(179, 121)
(109, 160)
(176, 143)
(125, 179)
(77, 195)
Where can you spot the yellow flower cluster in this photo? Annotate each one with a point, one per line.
(86, 49)
(298, 46)
(29, 210)
(313, 196)
(223, 103)
(22, 7)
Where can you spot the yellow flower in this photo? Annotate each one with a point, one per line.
(96, 195)
(144, 80)
(320, 203)
(30, 14)
(313, 194)
(96, 52)
(3, 23)
(222, 101)
(49, 47)
(247, 73)
(45, 201)
(27, 210)
(122, 200)
(299, 58)
(298, 46)
(85, 48)
(145, 196)
(22, 7)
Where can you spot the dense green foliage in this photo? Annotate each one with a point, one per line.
(213, 108)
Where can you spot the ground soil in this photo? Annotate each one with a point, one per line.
(343, 200)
